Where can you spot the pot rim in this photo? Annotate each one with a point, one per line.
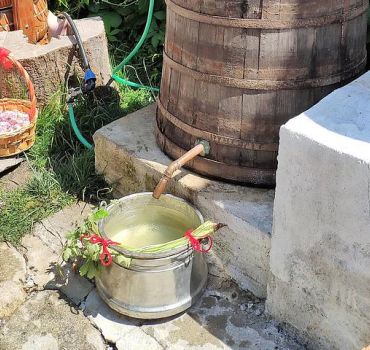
(148, 256)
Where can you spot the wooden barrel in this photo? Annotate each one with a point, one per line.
(236, 70)
(6, 20)
(31, 16)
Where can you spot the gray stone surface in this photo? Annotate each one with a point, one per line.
(320, 254)
(12, 296)
(112, 325)
(46, 270)
(41, 262)
(16, 178)
(12, 264)
(137, 339)
(12, 275)
(224, 318)
(72, 285)
(129, 158)
(8, 163)
(53, 230)
(51, 65)
(46, 321)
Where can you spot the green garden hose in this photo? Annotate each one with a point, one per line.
(75, 128)
(115, 77)
(134, 52)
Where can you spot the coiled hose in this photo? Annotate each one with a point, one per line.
(114, 77)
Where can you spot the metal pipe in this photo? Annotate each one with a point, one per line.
(78, 39)
(199, 149)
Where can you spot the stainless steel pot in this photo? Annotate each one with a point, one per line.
(155, 285)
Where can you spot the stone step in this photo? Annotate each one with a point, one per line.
(130, 160)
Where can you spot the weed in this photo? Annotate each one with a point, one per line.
(63, 170)
(21, 208)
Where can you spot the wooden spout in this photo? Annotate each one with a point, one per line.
(201, 148)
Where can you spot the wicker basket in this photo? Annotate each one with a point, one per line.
(14, 143)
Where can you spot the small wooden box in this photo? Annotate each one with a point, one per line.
(6, 20)
(5, 3)
(31, 16)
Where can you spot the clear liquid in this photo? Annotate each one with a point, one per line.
(148, 226)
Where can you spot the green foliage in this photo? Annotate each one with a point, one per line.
(58, 150)
(21, 208)
(81, 251)
(63, 170)
(85, 253)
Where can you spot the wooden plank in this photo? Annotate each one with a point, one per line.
(176, 55)
(236, 46)
(6, 20)
(210, 49)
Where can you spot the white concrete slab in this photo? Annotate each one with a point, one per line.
(320, 254)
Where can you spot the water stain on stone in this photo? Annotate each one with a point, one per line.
(244, 344)
(208, 302)
(188, 329)
(238, 320)
(217, 325)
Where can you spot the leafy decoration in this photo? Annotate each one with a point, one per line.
(83, 251)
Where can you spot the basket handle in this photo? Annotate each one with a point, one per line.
(30, 88)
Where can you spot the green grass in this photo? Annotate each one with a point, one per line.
(63, 170)
(21, 208)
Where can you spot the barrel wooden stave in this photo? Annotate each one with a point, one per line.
(260, 78)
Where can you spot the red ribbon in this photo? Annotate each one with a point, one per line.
(4, 59)
(197, 246)
(105, 256)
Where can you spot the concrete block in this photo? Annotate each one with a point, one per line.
(130, 160)
(51, 66)
(320, 249)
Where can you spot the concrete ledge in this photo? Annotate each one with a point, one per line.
(320, 255)
(129, 158)
(51, 65)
